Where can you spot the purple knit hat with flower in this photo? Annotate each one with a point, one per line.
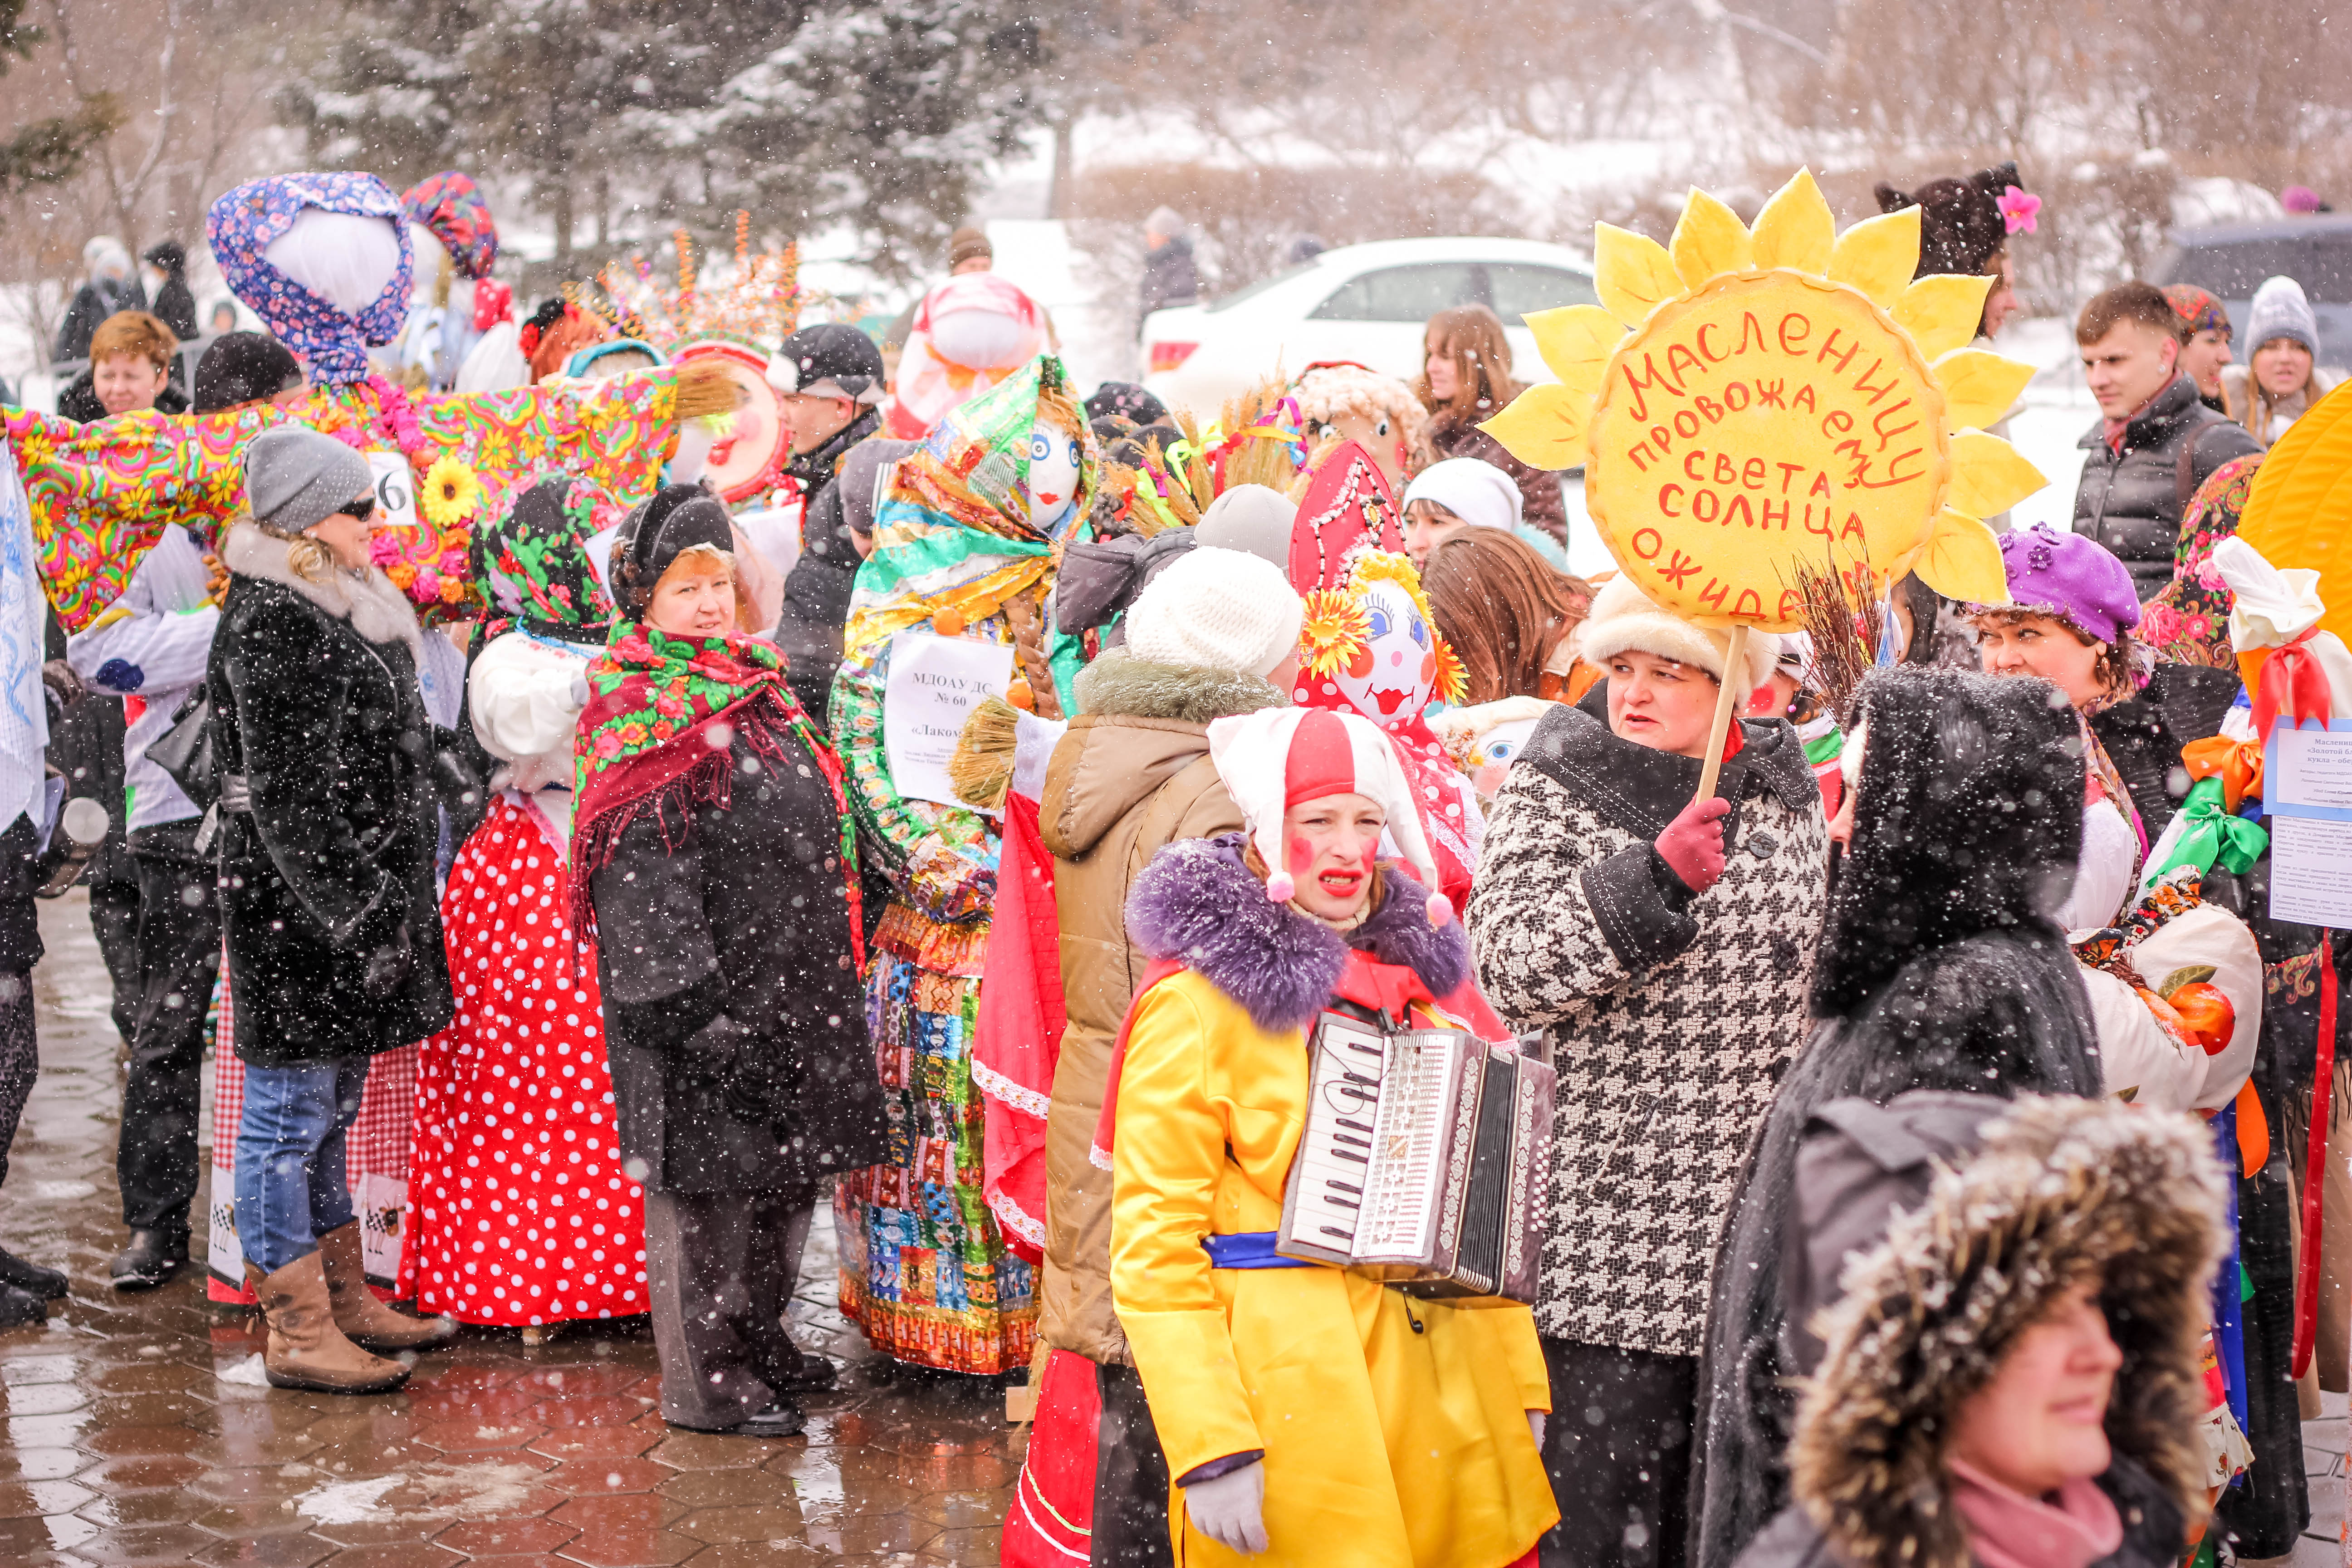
(2070, 576)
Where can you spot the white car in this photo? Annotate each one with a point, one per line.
(1371, 303)
(1367, 303)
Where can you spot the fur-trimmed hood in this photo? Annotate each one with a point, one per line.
(2063, 1191)
(1197, 903)
(376, 609)
(1139, 724)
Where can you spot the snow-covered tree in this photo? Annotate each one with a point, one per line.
(809, 112)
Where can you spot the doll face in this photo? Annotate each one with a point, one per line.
(1053, 458)
(1380, 437)
(1391, 681)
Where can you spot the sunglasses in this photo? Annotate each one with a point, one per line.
(359, 511)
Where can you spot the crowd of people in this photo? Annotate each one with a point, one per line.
(1927, 1174)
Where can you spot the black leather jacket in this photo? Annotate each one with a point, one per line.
(2132, 502)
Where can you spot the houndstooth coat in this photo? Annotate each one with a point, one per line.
(1671, 1015)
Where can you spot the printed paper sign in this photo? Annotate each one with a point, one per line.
(395, 489)
(935, 683)
(2309, 772)
(2311, 871)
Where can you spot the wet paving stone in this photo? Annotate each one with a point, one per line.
(129, 1436)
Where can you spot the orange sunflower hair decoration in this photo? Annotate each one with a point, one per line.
(1334, 631)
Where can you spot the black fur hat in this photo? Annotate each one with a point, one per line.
(1961, 225)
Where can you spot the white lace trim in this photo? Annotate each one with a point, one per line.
(1012, 1217)
(1020, 1096)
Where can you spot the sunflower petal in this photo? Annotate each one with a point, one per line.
(1544, 427)
(1989, 475)
(1980, 387)
(1710, 240)
(1962, 561)
(1941, 311)
(1795, 229)
(1878, 255)
(1632, 272)
(1576, 341)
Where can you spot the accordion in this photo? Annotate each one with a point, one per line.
(1425, 1163)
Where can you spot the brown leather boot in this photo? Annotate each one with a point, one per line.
(306, 1350)
(365, 1321)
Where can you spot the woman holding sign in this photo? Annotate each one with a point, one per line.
(1665, 944)
(712, 865)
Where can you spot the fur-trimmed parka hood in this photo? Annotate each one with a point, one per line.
(376, 609)
(1200, 904)
(1139, 724)
(2063, 1191)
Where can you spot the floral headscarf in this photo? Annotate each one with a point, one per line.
(333, 343)
(2189, 621)
(451, 208)
(532, 565)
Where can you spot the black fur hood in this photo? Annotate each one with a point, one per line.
(1968, 820)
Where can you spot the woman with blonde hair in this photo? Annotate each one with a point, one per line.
(1465, 379)
(2281, 378)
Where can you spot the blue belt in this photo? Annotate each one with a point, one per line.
(1250, 1249)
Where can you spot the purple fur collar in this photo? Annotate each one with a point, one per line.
(1198, 903)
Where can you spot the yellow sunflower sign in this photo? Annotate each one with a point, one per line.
(1746, 400)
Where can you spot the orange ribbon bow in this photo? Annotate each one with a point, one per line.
(2237, 763)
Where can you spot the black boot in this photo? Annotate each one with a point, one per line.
(47, 1284)
(152, 1259)
(20, 1307)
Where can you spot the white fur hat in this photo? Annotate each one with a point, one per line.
(1217, 609)
(1471, 489)
(1262, 760)
(1624, 617)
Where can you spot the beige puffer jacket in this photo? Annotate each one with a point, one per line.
(1133, 774)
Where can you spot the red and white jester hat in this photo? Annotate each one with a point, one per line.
(1277, 757)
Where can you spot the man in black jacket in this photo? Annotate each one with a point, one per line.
(2156, 442)
(830, 378)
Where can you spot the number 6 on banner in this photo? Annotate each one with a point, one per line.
(395, 489)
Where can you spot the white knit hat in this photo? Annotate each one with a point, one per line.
(1256, 758)
(1624, 617)
(1217, 609)
(1471, 489)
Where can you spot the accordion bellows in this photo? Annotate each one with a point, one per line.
(1425, 1161)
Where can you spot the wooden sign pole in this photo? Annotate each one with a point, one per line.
(1726, 703)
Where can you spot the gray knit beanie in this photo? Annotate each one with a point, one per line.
(1252, 518)
(296, 478)
(2280, 310)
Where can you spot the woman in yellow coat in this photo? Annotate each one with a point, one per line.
(1308, 1414)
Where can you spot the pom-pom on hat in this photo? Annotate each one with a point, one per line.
(1625, 618)
(2070, 576)
(1276, 757)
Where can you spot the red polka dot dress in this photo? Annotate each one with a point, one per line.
(520, 1212)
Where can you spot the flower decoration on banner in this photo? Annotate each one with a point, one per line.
(1334, 632)
(2019, 209)
(1745, 401)
(101, 494)
(452, 494)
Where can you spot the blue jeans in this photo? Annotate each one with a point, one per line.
(291, 1186)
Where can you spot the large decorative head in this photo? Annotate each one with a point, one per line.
(323, 259)
(1373, 644)
(450, 207)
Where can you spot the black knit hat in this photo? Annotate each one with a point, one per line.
(1127, 401)
(243, 367)
(829, 360)
(1961, 225)
(167, 256)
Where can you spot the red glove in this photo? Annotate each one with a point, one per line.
(1692, 845)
